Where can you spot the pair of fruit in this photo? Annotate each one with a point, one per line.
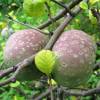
(74, 50)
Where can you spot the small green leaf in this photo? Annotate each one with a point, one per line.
(84, 5)
(92, 18)
(93, 1)
(16, 97)
(38, 1)
(98, 52)
(16, 84)
(45, 61)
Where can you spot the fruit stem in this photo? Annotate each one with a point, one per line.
(50, 86)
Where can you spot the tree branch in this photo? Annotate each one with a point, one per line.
(45, 94)
(72, 4)
(49, 45)
(27, 25)
(76, 92)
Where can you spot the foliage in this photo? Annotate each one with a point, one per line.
(45, 60)
(84, 21)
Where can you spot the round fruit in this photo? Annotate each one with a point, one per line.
(76, 55)
(22, 45)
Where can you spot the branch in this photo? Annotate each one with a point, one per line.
(96, 66)
(49, 45)
(25, 63)
(72, 4)
(27, 25)
(5, 72)
(63, 5)
(70, 92)
(61, 28)
(45, 93)
(96, 14)
(73, 92)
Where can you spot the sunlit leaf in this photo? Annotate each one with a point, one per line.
(92, 18)
(16, 84)
(53, 82)
(83, 5)
(45, 61)
(93, 1)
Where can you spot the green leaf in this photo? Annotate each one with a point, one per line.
(38, 1)
(18, 98)
(45, 61)
(92, 18)
(93, 1)
(16, 84)
(34, 7)
(98, 52)
(84, 5)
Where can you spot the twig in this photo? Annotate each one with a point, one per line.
(76, 92)
(49, 45)
(27, 25)
(96, 14)
(61, 28)
(19, 67)
(7, 71)
(50, 86)
(96, 66)
(72, 4)
(64, 6)
(45, 93)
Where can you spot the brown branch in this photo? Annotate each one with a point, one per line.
(45, 94)
(27, 25)
(96, 66)
(20, 66)
(73, 92)
(61, 28)
(49, 45)
(96, 14)
(72, 4)
(63, 5)
(7, 71)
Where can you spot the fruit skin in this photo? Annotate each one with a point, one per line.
(22, 45)
(76, 55)
(33, 8)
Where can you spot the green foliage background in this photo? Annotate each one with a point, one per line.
(15, 10)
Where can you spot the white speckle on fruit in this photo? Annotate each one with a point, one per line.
(31, 44)
(16, 48)
(86, 55)
(27, 46)
(11, 54)
(82, 42)
(21, 43)
(81, 53)
(23, 49)
(81, 46)
(75, 55)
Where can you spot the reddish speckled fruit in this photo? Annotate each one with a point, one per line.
(21, 45)
(76, 55)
